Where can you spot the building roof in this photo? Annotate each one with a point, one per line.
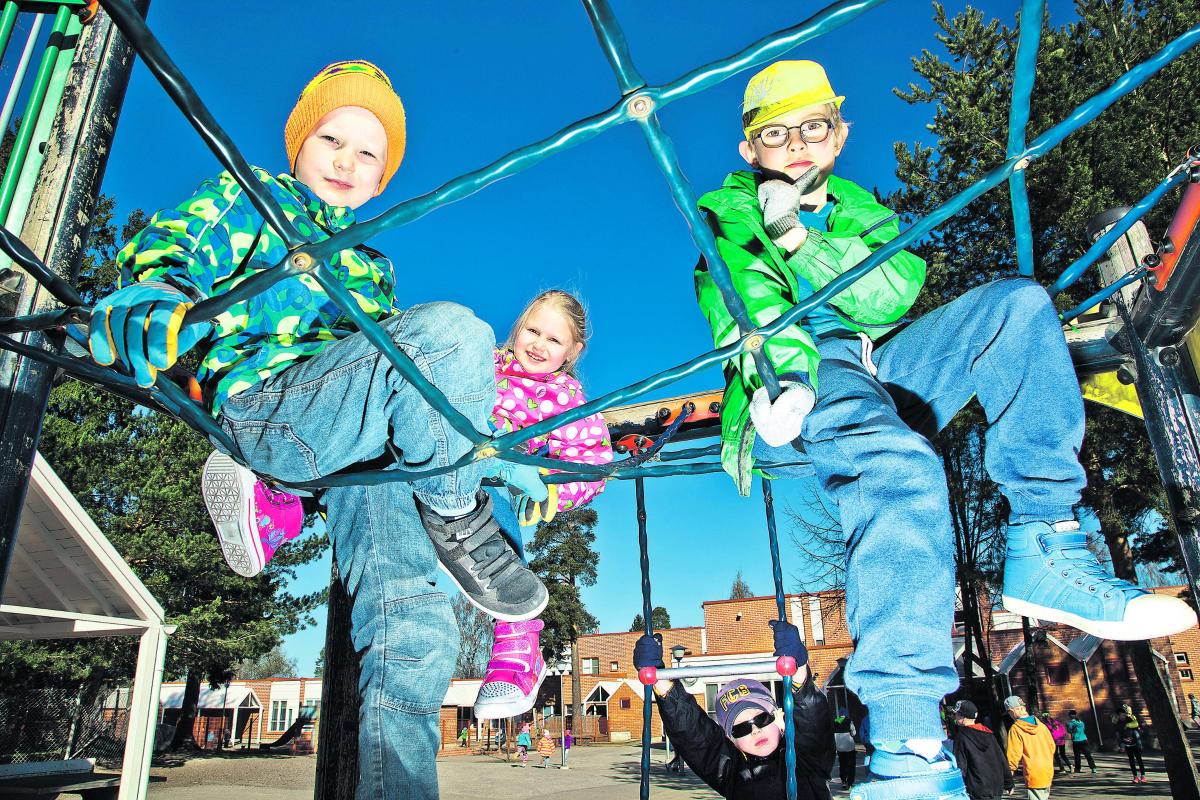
(66, 580)
(462, 692)
(227, 697)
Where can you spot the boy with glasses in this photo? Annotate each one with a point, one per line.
(863, 420)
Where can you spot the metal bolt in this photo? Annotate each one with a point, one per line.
(1126, 374)
(1169, 357)
(1021, 165)
(754, 342)
(302, 262)
(641, 105)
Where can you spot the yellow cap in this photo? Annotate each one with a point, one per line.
(348, 83)
(784, 87)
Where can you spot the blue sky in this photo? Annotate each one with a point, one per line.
(479, 80)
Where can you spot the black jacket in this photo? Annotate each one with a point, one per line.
(734, 775)
(984, 766)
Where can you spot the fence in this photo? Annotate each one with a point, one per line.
(51, 724)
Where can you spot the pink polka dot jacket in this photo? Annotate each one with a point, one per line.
(523, 398)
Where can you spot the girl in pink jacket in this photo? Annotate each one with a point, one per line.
(535, 381)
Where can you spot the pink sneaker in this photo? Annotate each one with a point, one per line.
(251, 518)
(514, 673)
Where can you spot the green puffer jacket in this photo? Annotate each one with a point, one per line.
(769, 283)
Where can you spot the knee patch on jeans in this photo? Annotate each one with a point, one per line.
(420, 647)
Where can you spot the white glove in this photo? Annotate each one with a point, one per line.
(779, 423)
(779, 201)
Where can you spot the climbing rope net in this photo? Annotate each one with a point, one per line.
(638, 103)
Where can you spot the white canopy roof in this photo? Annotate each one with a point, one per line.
(66, 580)
(233, 695)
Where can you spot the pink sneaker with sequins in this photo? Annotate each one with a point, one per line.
(514, 673)
(251, 518)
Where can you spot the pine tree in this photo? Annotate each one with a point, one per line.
(740, 590)
(137, 474)
(1113, 161)
(660, 619)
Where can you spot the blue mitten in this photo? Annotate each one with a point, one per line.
(142, 327)
(648, 652)
(787, 641)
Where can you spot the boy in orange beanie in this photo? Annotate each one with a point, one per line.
(303, 394)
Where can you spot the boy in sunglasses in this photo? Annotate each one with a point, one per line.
(741, 754)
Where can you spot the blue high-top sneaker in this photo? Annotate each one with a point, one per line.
(1050, 574)
(897, 773)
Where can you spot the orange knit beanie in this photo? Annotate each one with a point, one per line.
(348, 83)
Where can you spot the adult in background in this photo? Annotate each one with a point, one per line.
(977, 750)
(1079, 740)
(1129, 734)
(1031, 747)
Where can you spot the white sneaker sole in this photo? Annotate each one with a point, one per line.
(229, 494)
(503, 709)
(491, 612)
(1172, 619)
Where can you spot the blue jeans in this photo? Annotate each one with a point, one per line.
(868, 438)
(348, 405)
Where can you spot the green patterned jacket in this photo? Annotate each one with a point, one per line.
(216, 239)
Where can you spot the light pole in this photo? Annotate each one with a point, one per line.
(562, 698)
(677, 654)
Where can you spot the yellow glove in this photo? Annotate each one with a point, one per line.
(535, 512)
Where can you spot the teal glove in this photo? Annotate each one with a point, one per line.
(522, 477)
(142, 327)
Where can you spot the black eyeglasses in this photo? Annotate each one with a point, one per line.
(814, 131)
(760, 721)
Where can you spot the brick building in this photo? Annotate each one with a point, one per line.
(1072, 670)
(250, 712)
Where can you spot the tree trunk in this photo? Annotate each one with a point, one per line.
(1033, 690)
(337, 753)
(187, 712)
(1181, 767)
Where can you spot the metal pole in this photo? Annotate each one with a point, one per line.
(647, 691)
(1087, 676)
(56, 229)
(14, 89)
(789, 723)
(562, 698)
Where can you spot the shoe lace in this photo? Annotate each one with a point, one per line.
(1072, 558)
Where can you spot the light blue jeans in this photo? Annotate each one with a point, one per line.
(868, 438)
(346, 406)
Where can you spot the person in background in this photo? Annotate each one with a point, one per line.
(545, 747)
(1058, 732)
(1031, 746)
(1079, 740)
(1130, 736)
(977, 751)
(843, 742)
(568, 742)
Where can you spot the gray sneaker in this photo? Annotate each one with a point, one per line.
(472, 550)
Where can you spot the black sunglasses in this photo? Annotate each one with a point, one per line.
(760, 721)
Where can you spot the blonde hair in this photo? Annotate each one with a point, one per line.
(573, 312)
